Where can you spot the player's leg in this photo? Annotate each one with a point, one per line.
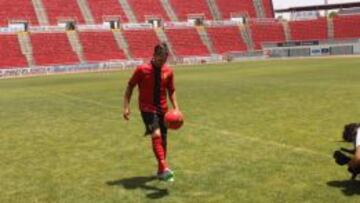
(164, 172)
(158, 149)
(164, 132)
(151, 121)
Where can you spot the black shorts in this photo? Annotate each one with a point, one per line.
(153, 121)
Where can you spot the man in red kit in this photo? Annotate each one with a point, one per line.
(154, 80)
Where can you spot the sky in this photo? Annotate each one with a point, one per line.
(280, 4)
(291, 3)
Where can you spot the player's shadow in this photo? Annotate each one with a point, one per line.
(349, 187)
(141, 183)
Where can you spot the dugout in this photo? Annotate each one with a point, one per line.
(196, 19)
(155, 21)
(68, 25)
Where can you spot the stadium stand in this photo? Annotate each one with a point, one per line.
(52, 48)
(230, 7)
(106, 8)
(63, 10)
(184, 8)
(263, 32)
(10, 52)
(100, 46)
(268, 8)
(347, 26)
(186, 42)
(309, 29)
(19, 10)
(226, 39)
(141, 42)
(145, 9)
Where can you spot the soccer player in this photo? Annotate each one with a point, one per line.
(353, 135)
(155, 80)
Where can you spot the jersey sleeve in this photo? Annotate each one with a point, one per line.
(170, 84)
(357, 139)
(136, 77)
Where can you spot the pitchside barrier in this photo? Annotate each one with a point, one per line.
(312, 48)
(58, 69)
(200, 59)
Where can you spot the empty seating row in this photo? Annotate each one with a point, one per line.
(59, 10)
(53, 48)
(226, 39)
(263, 32)
(62, 10)
(185, 8)
(232, 8)
(106, 9)
(100, 46)
(19, 10)
(347, 26)
(145, 9)
(186, 42)
(268, 8)
(141, 42)
(10, 52)
(309, 29)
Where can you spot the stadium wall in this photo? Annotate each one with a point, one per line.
(63, 69)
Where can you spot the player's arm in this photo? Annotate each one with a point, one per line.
(127, 98)
(355, 161)
(173, 100)
(134, 80)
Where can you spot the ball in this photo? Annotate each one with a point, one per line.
(173, 119)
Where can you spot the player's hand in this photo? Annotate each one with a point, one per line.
(126, 114)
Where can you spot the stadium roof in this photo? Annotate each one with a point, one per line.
(319, 7)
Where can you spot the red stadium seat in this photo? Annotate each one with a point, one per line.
(268, 8)
(63, 9)
(148, 8)
(17, 10)
(141, 42)
(309, 29)
(186, 42)
(10, 52)
(347, 26)
(100, 46)
(226, 39)
(52, 49)
(263, 32)
(229, 7)
(184, 8)
(106, 8)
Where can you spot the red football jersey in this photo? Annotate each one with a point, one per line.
(150, 99)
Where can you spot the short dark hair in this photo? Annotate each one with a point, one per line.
(350, 131)
(161, 48)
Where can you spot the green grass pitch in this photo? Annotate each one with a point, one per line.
(254, 132)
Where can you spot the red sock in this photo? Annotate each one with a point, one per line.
(164, 147)
(159, 153)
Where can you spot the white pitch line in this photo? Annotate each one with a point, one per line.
(271, 142)
(224, 132)
(279, 144)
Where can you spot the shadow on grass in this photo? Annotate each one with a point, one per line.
(140, 183)
(349, 187)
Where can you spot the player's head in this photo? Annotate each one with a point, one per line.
(350, 131)
(161, 53)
